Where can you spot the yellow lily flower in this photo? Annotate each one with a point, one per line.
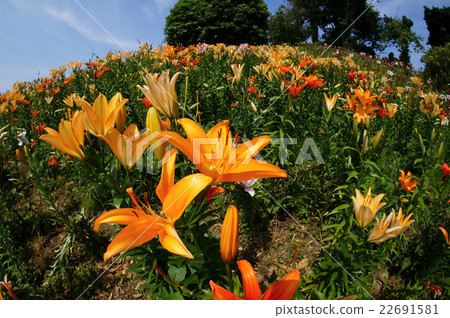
(101, 116)
(143, 224)
(129, 146)
(161, 93)
(330, 101)
(399, 223)
(229, 235)
(215, 155)
(237, 70)
(366, 208)
(379, 233)
(70, 138)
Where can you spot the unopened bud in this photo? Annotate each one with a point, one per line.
(355, 128)
(20, 156)
(229, 235)
(422, 146)
(377, 139)
(441, 149)
(155, 126)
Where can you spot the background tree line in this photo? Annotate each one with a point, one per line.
(351, 24)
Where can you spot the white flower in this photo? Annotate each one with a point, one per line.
(21, 137)
(3, 136)
(390, 72)
(247, 186)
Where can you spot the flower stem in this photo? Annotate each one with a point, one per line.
(230, 281)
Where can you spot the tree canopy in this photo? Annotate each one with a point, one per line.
(438, 25)
(217, 21)
(331, 18)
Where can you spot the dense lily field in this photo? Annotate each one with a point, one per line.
(225, 172)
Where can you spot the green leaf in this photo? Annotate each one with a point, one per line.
(177, 274)
(352, 174)
(406, 262)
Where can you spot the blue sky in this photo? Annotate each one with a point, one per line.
(37, 36)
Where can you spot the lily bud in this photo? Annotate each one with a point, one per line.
(20, 156)
(422, 146)
(433, 134)
(25, 149)
(377, 139)
(355, 128)
(229, 235)
(365, 140)
(441, 149)
(121, 116)
(155, 125)
(368, 122)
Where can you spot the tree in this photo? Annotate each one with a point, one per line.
(397, 32)
(438, 25)
(217, 21)
(341, 22)
(353, 24)
(285, 26)
(437, 66)
(312, 12)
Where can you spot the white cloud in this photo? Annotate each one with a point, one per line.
(159, 9)
(91, 30)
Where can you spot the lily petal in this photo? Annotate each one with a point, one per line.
(255, 169)
(134, 234)
(220, 293)
(251, 287)
(182, 193)
(167, 176)
(284, 289)
(170, 240)
(119, 216)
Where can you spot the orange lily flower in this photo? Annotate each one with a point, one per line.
(445, 169)
(101, 116)
(215, 155)
(365, 97)
(70, 138)
(129, 146)
(284, 289)
(408, 183)
(294, 89)
(8, 286)
(229, 235)
(444, 231)
(143, 224)
(366, 207)
(313, 81)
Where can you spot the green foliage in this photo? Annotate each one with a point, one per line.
(398, 32)
(438, 25)
(228, 22)
(437, 66)
(54, 206)
(286, 27)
